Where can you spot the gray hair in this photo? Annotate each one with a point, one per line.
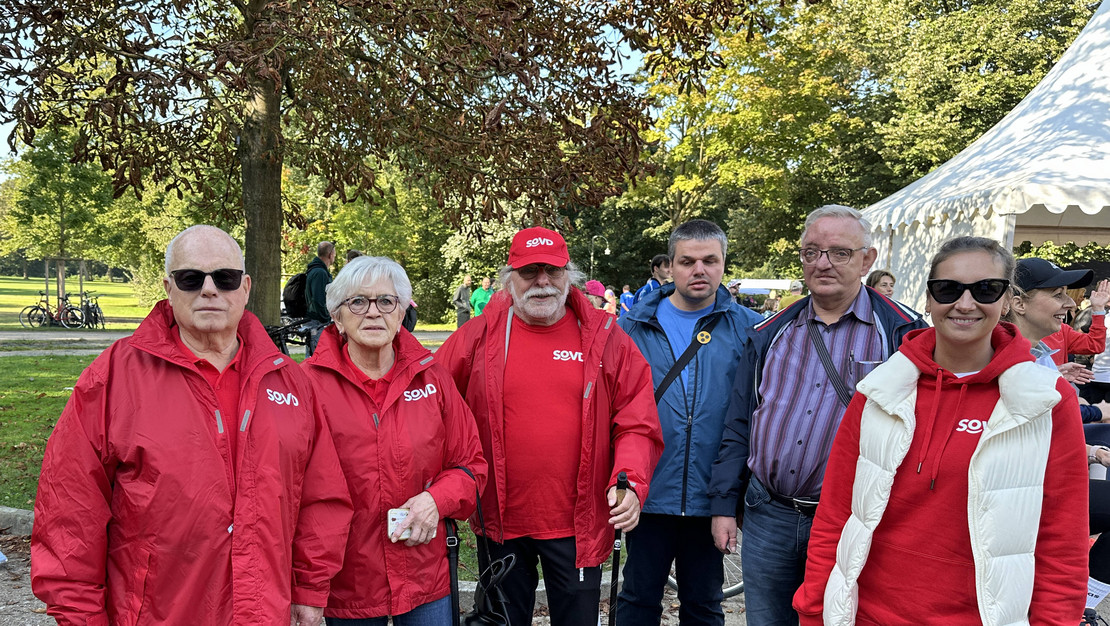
(324, 248)
(576, 276)
(701, 230)
(367, 269)
(199, 229)
(838, 210)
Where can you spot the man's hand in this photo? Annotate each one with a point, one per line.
(625, 515)
(1100, 296)
(307, 615)
(1075, 373)
(423, 519)
(724, 533)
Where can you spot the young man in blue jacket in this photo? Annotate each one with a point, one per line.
(675, 524)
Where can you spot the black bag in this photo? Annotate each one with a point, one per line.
(293, 296)
(488, 596)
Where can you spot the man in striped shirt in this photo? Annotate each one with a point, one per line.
(787, 402)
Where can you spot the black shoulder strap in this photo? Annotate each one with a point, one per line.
(702, 338)
(838, 383)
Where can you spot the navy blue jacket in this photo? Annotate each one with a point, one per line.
(730, 471)
(317, 279)
(691, 437)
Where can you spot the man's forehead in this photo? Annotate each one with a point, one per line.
(842, 228)
(696, 249)
(204, 251)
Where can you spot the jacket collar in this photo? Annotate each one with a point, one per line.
(409, 354)
(646, 309)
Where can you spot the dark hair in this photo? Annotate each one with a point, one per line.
(958, 245)
(659, 259)
(353, 254)
(697, 229)
(874, 277)
(324, 248)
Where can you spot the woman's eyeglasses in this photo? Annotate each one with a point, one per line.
(359, 305)
(193, 280)
(984, 291)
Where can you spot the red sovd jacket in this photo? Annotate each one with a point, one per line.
(415, 442)
(136, 521)
(620, 425)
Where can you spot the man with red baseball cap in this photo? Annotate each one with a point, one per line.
(564, 403)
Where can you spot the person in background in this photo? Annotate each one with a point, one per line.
(794, 295)
(771, 304)
(191, 478)
(481, 296)
(563, 401)
(881, 281)
(611, 305)
(675, 526)
(660, 274)
(317, 278)
(353, 254)
(595, 291)
(1068, 341)
(627, 299)
(403, 435)
(922, 478)
(734, 289)
(461, 302)
(786, 405)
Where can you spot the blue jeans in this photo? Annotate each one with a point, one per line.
(773, 555)
(434, 613)
(657, 541)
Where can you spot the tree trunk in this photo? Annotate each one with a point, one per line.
(260, 157)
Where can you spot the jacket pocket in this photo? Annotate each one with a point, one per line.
(136, 589)
(756, 495)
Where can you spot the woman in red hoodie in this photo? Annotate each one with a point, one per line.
(955, 491)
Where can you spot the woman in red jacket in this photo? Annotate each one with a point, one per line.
(406, 440)
(955, 489)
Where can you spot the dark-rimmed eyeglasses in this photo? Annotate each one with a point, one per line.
(837, 256)
(193, 280)
(359, 305)
(986, 291)
(528, 272)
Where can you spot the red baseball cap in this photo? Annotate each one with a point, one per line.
(538, 245)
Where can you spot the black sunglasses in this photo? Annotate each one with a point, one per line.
(193, 280)
(984, 291)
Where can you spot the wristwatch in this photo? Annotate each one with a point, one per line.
(1092, 458)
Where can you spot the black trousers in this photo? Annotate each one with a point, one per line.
(1100, 523)
(573, 594)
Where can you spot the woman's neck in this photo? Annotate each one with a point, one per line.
(374, 362)
(960, 359)
(1026, 331)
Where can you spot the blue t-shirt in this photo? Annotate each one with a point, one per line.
(679, 327)
(627, 300)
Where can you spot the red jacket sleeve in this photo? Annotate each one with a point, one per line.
(1062, 542)
(832, 514)
(320, 538)
(637, 438)
(69, 541)
(454, 491)
(1067, 340)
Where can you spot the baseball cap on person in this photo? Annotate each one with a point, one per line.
(595, 288)
(1041, 274)
(734, 282)
(538, 245)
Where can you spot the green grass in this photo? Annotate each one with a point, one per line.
(32, 396)
(117, 300)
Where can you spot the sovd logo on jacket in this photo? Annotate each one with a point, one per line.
(278, 397)
(420, 394)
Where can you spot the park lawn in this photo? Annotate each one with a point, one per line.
(121, 308)
(32, 395)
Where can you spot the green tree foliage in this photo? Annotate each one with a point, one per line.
(478, 102)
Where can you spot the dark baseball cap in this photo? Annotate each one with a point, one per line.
(1041, 274)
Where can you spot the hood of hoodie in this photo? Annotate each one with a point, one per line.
(934, 399)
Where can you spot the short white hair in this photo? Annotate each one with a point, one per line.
(838, 210)
(198, 229)
(364, 269)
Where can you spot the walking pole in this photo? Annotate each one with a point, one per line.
(622, 487)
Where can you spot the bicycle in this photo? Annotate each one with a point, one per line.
(734, 577)
(291, 333)
(90, 310)
(38, 315)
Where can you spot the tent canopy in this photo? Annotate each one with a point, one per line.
(1042, 173)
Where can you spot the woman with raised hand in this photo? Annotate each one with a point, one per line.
(956, 488)
(406, 440)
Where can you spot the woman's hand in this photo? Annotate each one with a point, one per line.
(423, 519)
(1098, 454)
(1100, 296)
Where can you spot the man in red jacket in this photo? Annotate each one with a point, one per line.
(191, 478)
(564, 403)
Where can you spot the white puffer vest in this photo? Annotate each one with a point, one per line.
(1004, 496)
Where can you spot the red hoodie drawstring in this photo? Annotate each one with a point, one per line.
(921, 454)
(947, 435)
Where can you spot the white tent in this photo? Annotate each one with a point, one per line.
(1041, 174)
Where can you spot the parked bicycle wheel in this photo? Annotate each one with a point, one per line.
(71, 317)
(734, 578)
(33, 316)
(98, 316)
